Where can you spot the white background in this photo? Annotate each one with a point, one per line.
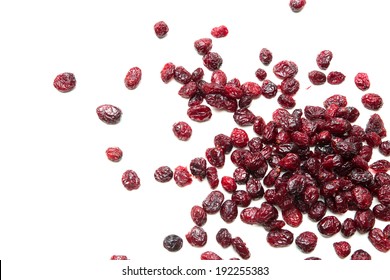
(62, 202)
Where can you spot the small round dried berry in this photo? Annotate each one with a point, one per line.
(384, 148)
(306, 241)
(269, 89)
(219, 31)
(198, 168)
(198, 215)
(362, 81)
(378, 240)
(212, 61)
(228, 211)
(209, 255)
(109, 114)
(197, 74)
(197, 237)
(216, 157)
(161, 29)
(213, 202)
(239, 138)
(261, 74)
(364, 220)
(342, 248)
(240, 247)
(212, 176)
(337, 99)
(182, 177)
(335, 78)
(224, 238)
(228, 184)
(317, 77)
(289, 86)
(167, 72)
(199, 113)
(280, 238)
(130, 180)
(348, 228)
(329, 226)
(181, 75)
(323, 59)
(265, 56)
(114, 154)
(286, 101)
(372, 101)
(285, 69)
(297, 5)
(203, 46)
(252, 89)
(182, 130)
(119, 257)
(224, 142)
(173, 243)
(133, 77)
(163, 174)
(360, 255)
(65, 82)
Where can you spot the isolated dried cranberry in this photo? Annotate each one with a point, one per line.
(181, 75)
(173, 243)
(381, 165)
(384, 148)
(328, 226)
(224, 238)
(197, 237)
(203, 46)
(130, 180)
(163, 174)
(213, 202)
(337, 99)
(323, 59)
(362, 81)
(292, 216)
(198, 168)
(167, 72)
(375, 124)
(114, 154)
(378, 240)
(289, 86)
(364, 220)
(335, 78)
(182, 130)
(297, 5)
(199, 113)
(252, 89)
(285, 69)
(240, 247)
(216, 157)
(212, 61)
(209, 255)
(372, 101)
(161, 29)
(261, 74)
(65, 82)
(109, 114)
(317, 77)
(133, 77)
(280, 238)
(265, 56)
(182, 177)
(219, 31)
(360, 255)
(119, 257)
(306, 241)
(286, 101)
(228, 211)
(198, 215)
(212, 176)
(342, 249)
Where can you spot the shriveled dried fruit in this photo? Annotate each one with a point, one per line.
(317, 77)
(198, 215)
(372, 101)
(261, 74)
(197, 237)
(306, 241)
(208, 255)
(199, 113)
(266, 213)
(265, 56)
(182, 177)
(384, 148)
(109, 114)
(329, 225)
(292, 216)
(240, 247)
(203, 46)
(114, 154)
(161, 29)
(360, 255)
(130, 180)
(167, 72)
(342, 249)
(119, 257)
(212, 176)
(269, 89)
(324, 58)
(362, 81)
(337, 99)
(219, 31)
(173, 243)
(297, 5)
(381, 165)
(335, 78)
(375, 124)
(286, 101)
(133, 78)
(224, 238)
(216, 157)
(382, 212)
(244, 117)
(181, 75)
(378, 240)
(239, 138)
(163, 174)
(285, 69)
(364, 220)
(198, 168)
(251, 88)
(229, 184)
(280, 238)
(65, 82)
(182, 130)
(289, 86)
(212, 61)
(228, 211)
(213, 202)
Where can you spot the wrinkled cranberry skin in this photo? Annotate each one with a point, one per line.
(167, 72)
(286, 101)
(130, 180)
(280, 238)
(362, 81)
(188, 90)
(269, 89)
(239, 138)
(375, 124)
(348, 227)
(212, 176)
(216, 157)
(182, 177)
(224, 142)
(240, 247)
(317, 211)
(197, 237)
(384, 194)
(342, 249)
(297, 5)
(261, 74)
(228, 211)
(266, 213)
(244, 117)
(181, 75)
(381, 165)
(182, 130)
(254, 188)
(384, 148)
(240, 175)
(372, 101)
(65, 82)
(133, 77)
(365, 220)
(109, 114)
(292, 216)
(197, 74)
(290, 162)
(198, 168)
(195, 100)
(208, 255)
(252, 89)
(198, 215)
(386, 231)
(248, 215)
(163, 174)
(212, 203)
(373, 139)
(228, 184)
(199, 113)
(173, 243)
(313, 259)
(203, 46)
(224, 238)
(289, 86)
(317, 77)
(265, 56)
(337, 99)
(361, 197)
(306, 241)
(241, 198)
(360, 255)
(114, 154)
(382, 212)
(285, 69)
(161, 29)
(219, 31)
(335, 78)
(212, 61)
(378, 240)
(323, 59)
(119, 257)
(329, 226)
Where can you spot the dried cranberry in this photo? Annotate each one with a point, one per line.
(384, 148)
(216, 157)
(133, 77)
(290, 162)
(252, 89)
(259, 125)
(360, 255)
(254, 188)
(375, 124)
(280, 238)
(119, 257)
(109, 114)
(224, 238)
(114, 154)
(244, 117)
(314, 112)
(167, 72)
(317, 211)
(197, 74)
(212, 203)
(364, 220)
(130, 180)
(292, 216)
(342, 249)
(219, 31)
(337, 99)
(182, 177)
(212, 61)
(297, 5)
(181, 75)
(239, 138)
(198, 215)
(329, 225)
(197, 237)
(182, 130)
(335, 78)
(261, 74)
(163, 174)
(289, 86)
(266, 213)
(228, 211)
(286, 101)
(224, 142)
(228, 184)
(241, 198)
(161, 29)
(361, 197)
(173, 243)
(208, 255)
(65, 82)
(188, 90)
(348, 227)
(306, 241)
(198, 168)
(372, 101)
(362, 81)
(212, 176)
(265, 56)
(240, 175)
(323, 59)
(386, 231)
(240, 247)
(381, 165)
(285, 69)
(248, 215)
(339, 126)
(317, 77)
(382, 212)
(378, 240)
(199, 113)
(233, 91)
(269, 89)
(203, 46)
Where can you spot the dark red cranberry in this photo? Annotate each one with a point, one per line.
(286, 101)
(297, 5)
(290, 162)
(261, 74)
(224, 142)
(375, 124)
(181, 75)
(240, 247)
(198, 215)
(240, 175)
(366, 153)
(228, 211)
(212, 61)
(378, 240)
(362, 81)
(317, 77)
(265, 56)
(109, 114)
(163, 174)
(362, 197)
(269, 89)
(197, 237)
(229, 184)
(199, 113)
(233, 91)
(209, 255)
(114, 154)
(161, 29)
(219, 31)
(248, 215)
(197, 74)
(195, 100)
(198, 168)
(173, 243)
(239, 138)
(219, 77)
(65, 82)
(203, 46)
(383, 194)
(335, 78)
(252, 89)
(289, 86)
(337, 99)
(306, 241)
(182, 130)
(133, 77)
(317, 211)
(364, 220)
(381, 165)
(182, 177)
(292, 216)
(216, 157)
(119, 257)
(167, 72)
(212, 203)
(212, 176)
(259, 125)
(130, 180)
(244, 117)
(323, 59)
(386, 231)
(254, 188)
(384, 148)
(314, 112)
(224, 238)
(188, 90)
(241, 198)
(329, 225)
(342, 249)
(255, 144)
(360, 255)
(266, 213)
(285, 69)
(372, 101)
(348, 227)
(280, 238)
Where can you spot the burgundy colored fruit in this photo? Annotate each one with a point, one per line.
(219, 31)
(161, 29)
(381, 165)
(167, 72)
(286, 101)
(224, 238)
(378, 240)
(285, 69)
(65, 82)
(297, 5)
(375, 124)
(133, 77)
(240, 247)
(342, 249)
(337, 99)
(372, 101)
(163, 174)
(228, 184)
(173, 243)
(216, 157)
(109, 114)
(317, 77)
(266, 213)
(306, 241)
(182, 130)
(239, 138)
(261, 74)
(382, 212)
(198, 215)
(265, 56)
(329, 226)
(323, 59)
(181, 75)
(114, 154)
(199, 113)
(212, 176)
(228, 211)
(130, 180)
(289, 86)
(198, 168)
(384, 148)
(197, 237)
(208, 255)
(362, 81)
(212, 61)
(251, 88)
(224, 142)
(213, 202)
(182, 177)
(335, 78)
(280, 238)
(119, 257)
(292, 216)
(360, 255)
(203, 46)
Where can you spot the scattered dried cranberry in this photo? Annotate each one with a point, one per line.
(228, 211)
(280, 238)
(292, 216)
(254, 188)
(173, 243)
(323, 59)
(198, 168)
(199, 113)
(130, 180)
(261, 74)
(252, 89)
(188, 90)
(212, 61)
(182, 177)
(285, 69)
(224, 238)
(337, 99)
(133, 77)
(239, 138)
(167, 72)
(119, 257)
(386, 231)
(289, 86)
(269, 89)
(213, 202)
(384, 148)
(244, 117)
(381, 165)
(182, 130)
(241, 198)
(360, 255)
(216, 157)
(197, 237)
(317, 77)
(181, 75)
(335, 78)
(362, 81)
(240, 247)
(161, 29)
(208, 255)
(65, 82)
(109, 114)
(198, 215)
(378, 240)
(297, 5)
(329, 226)
(163, 174)
(286, 101)
(382, 212)
(306, 241)
(219, 31)
(342, 249)
(265, 56)
(372, 101)
(364, 220)
(212, 176)
(228, 184)
(375, 124)
(203, 46)
(114, 154)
